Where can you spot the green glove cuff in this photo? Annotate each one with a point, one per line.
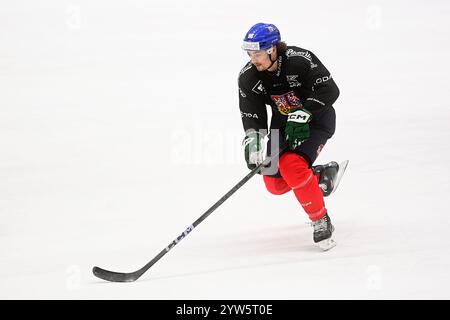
(253, 143)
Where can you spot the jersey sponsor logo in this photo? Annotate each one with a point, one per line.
(249, 115)
(243, 95)
(259, 88)
(293, 82)
(286, 102)
(304, 54)
(315, 100)
(323, 79)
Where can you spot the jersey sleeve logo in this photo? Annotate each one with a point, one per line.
(259, 88)
(286, 102)
(247, 67)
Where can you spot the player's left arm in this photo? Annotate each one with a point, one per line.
(324, 91)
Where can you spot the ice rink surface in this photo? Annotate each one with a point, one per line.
(119, 126)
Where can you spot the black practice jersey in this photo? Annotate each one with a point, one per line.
(300, 80)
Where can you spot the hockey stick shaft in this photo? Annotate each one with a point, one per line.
(133, 276)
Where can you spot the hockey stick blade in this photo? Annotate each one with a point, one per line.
(115, 276)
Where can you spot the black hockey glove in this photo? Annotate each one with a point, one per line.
(297, 127)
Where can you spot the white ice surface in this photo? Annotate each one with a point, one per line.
(119, 127)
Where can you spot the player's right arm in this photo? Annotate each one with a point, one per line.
(253, 114)
(251, 101)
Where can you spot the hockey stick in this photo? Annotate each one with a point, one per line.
(133, 276)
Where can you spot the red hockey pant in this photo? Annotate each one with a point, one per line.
(296, 175)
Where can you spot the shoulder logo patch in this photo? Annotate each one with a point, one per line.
(259, 88)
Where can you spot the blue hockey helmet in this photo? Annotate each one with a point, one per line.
(262, 36)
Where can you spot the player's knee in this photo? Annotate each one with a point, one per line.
(295, 170)
(292, 162)
(276, 186)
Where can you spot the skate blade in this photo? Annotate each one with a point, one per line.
(326, 244)
(342, 167)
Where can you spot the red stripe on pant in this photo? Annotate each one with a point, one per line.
(297, 176)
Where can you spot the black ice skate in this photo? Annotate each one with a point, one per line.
(323, 230)
(330, 176)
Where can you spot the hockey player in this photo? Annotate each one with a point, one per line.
(301, 92)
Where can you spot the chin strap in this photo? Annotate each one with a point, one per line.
(273, 61)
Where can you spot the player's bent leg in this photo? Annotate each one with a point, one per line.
(296, 172)
(299, 176)
(276, 186)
